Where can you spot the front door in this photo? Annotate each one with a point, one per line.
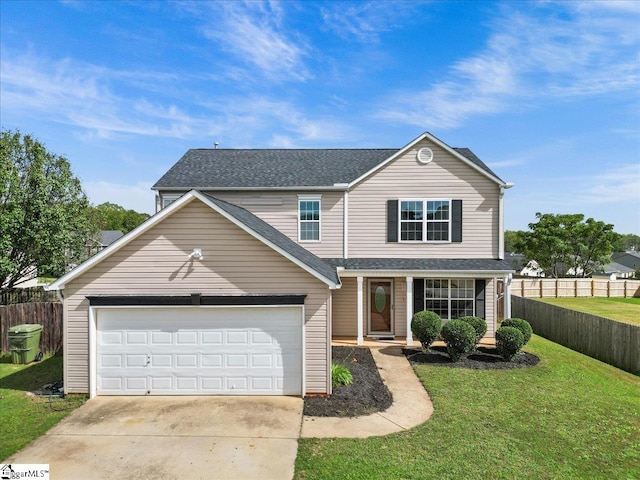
(380, 307)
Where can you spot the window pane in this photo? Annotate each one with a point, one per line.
(438, 231)
(438, 210)
(310, 231)
(411, 211)
(310, 210)
(411, 230)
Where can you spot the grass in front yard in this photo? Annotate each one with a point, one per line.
(622, 309)
(569, 417)
(24, 418)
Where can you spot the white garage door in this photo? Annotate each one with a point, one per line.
(199, 351)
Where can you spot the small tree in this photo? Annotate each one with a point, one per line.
(426, 326)
(44, 222)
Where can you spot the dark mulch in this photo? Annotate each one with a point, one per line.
(367, 394)
(485, 358)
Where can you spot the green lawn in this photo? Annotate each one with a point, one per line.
(621, 309)
(570, 417)
(24, 418)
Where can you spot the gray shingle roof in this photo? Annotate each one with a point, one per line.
(441, 264)
(278, 238)
(273, 168)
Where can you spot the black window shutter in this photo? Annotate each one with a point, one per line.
(392, 221)
(418, 294)
(456, 221)
(480, 298)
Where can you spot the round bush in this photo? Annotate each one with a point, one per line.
(508, 341)
(340, 375)
(460, 338)
(521, 325)
(426, 327)
(478, 324)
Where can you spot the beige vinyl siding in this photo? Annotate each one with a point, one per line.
(156, 264)
(280, 210)
(345, 309)
(444, 177)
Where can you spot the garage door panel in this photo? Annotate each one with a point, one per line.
(222, 351)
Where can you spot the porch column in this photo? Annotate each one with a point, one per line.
(360, 311)
(409, 301)
(507, 296)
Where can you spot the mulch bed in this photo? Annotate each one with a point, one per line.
(485, 358)
(366, 395)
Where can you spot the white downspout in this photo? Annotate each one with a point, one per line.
(345, 226)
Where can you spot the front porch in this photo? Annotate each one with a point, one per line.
(376, 309)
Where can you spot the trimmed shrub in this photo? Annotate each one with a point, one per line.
(509, 340)
(340, 375)
(426, 326)
(478, 324)
(460, 338)
(521, 325)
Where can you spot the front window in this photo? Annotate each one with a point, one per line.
(309, 219)
(415, 226)
(450, 298)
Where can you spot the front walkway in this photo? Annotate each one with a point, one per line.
(411, 403)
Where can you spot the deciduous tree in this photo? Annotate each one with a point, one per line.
(567, 244)
(43, 211)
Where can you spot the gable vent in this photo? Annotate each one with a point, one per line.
(425, 155)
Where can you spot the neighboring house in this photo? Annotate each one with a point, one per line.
(522, 266)
(615, 270)
(257, 259)
(628, 259)
(102, 241)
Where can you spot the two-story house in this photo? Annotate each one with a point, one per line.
(257, 259)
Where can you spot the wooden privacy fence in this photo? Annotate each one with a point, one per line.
(27, 295)
(613, 342)
(48, 314)
(574, 287)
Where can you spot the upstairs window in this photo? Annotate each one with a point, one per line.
(416, 226)
(309, 218)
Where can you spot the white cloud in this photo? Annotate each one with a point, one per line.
(138, 197)
(365, 21)
(531, 58)
(85, 96)
(254, 32)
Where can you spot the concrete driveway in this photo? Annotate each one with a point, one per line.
(172, 437)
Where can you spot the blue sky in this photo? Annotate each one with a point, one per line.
(546, 93)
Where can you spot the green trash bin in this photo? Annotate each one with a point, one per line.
(24, 342)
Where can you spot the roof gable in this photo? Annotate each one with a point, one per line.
(239, 216)
(211, 169)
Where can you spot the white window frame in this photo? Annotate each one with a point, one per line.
(167, 199)
(310, 198)
(449, 298)
(425, 221)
